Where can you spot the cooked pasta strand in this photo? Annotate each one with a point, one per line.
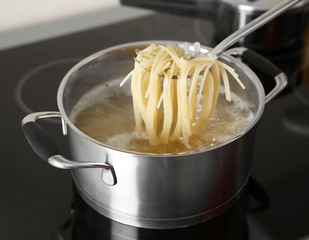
(165, 108)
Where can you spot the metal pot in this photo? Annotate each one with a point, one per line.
(228, 16)
(284, 31)
(144, 190)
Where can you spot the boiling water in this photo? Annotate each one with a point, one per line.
(106, 114)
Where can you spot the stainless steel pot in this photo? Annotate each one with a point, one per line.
(286, 30)
(144, 190)
(228, 16)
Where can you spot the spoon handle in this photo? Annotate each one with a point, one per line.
(252, 26)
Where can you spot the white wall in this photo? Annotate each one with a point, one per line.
(25, 21)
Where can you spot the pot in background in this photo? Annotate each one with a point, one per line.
(227, 16)
(282, 32)
(146, 190)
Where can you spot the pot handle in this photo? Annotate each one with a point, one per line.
(262, 65)
(45, 147)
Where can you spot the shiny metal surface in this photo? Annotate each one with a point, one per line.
(155, 191)
(258, 5)
(286, 30)
(96, 70)
(107, 173)
(252, 26)
(59, 161)
(280, 80)
(164, 191)
(33, 117)
(39, 115)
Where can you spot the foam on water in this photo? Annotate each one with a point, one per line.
(106, 114)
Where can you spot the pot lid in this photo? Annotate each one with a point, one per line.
(259, 5)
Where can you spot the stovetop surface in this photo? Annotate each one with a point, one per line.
(38, 201)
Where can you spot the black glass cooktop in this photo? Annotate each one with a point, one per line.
(40, 202)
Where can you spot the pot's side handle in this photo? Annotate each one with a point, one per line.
(45, 148)
(262, 65)
(38, 139)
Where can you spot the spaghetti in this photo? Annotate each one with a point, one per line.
(174, 94)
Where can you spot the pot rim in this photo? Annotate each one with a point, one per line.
(83, 62)
(258, 7)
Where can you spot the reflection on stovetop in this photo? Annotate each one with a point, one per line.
(36, 198)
